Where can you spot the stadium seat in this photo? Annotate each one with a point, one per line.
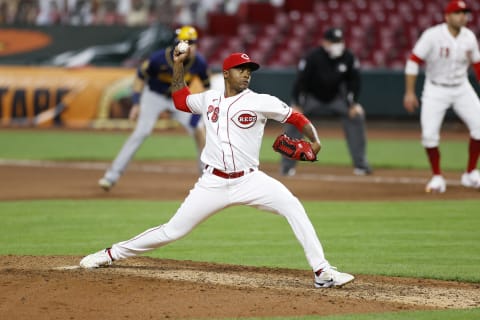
(381, 33)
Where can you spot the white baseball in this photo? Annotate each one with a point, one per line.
(182, 46)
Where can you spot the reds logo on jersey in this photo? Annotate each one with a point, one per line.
(244, 119)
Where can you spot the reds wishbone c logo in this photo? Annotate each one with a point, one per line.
(245, 119)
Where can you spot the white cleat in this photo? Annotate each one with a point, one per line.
(105, 184)
(436, 185)
(96, 260)
(330, 277)
(471, 179)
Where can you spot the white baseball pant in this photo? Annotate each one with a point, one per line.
(212, 194)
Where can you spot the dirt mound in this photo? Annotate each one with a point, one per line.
(145, 288)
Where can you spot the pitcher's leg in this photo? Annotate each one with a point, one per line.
(201, 203)
(304, 231)
(268, 194)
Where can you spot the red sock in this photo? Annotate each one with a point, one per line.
(434, 158)
(473, 153)
(318, 272)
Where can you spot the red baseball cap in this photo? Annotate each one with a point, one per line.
(238, 58)
(456, 6)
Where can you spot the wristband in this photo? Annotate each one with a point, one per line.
(136, 98)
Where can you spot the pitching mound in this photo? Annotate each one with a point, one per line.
(146, 288)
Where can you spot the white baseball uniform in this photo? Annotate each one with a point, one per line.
(234, 131)
(446, 84)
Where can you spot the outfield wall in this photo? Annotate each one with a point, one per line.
(99, 97)
(89, 97)
(381, 94)
(46, 96)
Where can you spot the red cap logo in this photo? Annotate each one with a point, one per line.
(238, 58)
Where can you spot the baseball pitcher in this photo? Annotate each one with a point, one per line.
(234, 121)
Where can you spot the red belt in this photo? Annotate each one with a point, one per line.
(226, 175)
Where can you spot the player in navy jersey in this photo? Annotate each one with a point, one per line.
(152, 96)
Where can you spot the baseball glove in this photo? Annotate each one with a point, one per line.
(295, 149)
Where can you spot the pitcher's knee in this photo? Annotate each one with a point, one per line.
(173, 233)
(290, 207)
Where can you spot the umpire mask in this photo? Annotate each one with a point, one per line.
(335, 50)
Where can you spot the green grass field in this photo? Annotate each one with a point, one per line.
(426, 239)
(416, 239)
(57, 145)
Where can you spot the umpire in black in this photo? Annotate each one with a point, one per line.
(328, 82)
